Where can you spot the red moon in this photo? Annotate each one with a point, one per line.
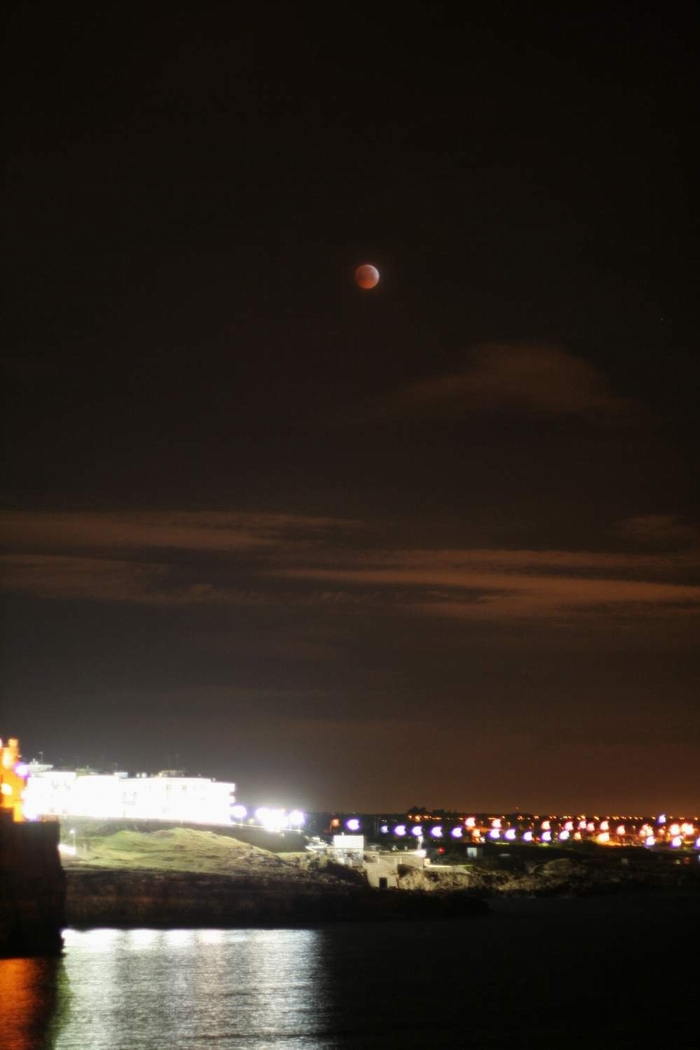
(366, 276)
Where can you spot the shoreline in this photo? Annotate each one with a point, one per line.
(195, 878)
(126, 899)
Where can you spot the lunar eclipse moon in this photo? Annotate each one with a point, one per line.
(366, 276)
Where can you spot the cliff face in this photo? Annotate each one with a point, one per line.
(132, 899)
(32, 890)
(560, 877)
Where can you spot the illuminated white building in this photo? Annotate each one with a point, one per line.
(193, 800)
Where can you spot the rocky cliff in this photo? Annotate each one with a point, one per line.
(564, 876)
(186, 899)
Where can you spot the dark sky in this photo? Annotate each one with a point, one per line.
(437, 542)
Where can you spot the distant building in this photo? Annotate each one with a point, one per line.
(191, 800)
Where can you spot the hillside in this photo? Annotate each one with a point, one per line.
(190, 877)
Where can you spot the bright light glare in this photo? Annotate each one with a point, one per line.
(470, 822)
(563, 835)
(494, 833)
(676, 841)
(418, 830)
(296, 818)
(546, 836)
(239, 812)
(510, 834)
(456, 833)
(352, 824)
(22, 769)
(272, 819)
(400, 830)
(436, 832)
(527, 837)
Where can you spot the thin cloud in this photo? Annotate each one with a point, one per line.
(304, 563)
(526, 378)
(515, 585)
(538, 561)
(113, 580)
(659, 530)
(191, 531)
(75, 578)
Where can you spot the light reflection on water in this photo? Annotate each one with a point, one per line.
(141, 989)
(603, 973)
(29, 990)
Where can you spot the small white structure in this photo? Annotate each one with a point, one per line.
(348, 849)
(192, 800)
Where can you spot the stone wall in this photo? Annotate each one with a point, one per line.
(32, 889)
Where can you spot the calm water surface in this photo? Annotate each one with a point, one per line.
(606, 972)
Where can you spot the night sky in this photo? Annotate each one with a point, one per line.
(434, 543)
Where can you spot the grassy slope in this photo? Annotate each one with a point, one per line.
(175, 849)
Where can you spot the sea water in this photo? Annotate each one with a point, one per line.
(617, 971)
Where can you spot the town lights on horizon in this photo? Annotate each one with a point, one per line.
(553, 829)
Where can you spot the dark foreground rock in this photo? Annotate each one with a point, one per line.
(32, 890)
(158, 899)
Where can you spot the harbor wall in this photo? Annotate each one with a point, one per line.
(32, 888)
